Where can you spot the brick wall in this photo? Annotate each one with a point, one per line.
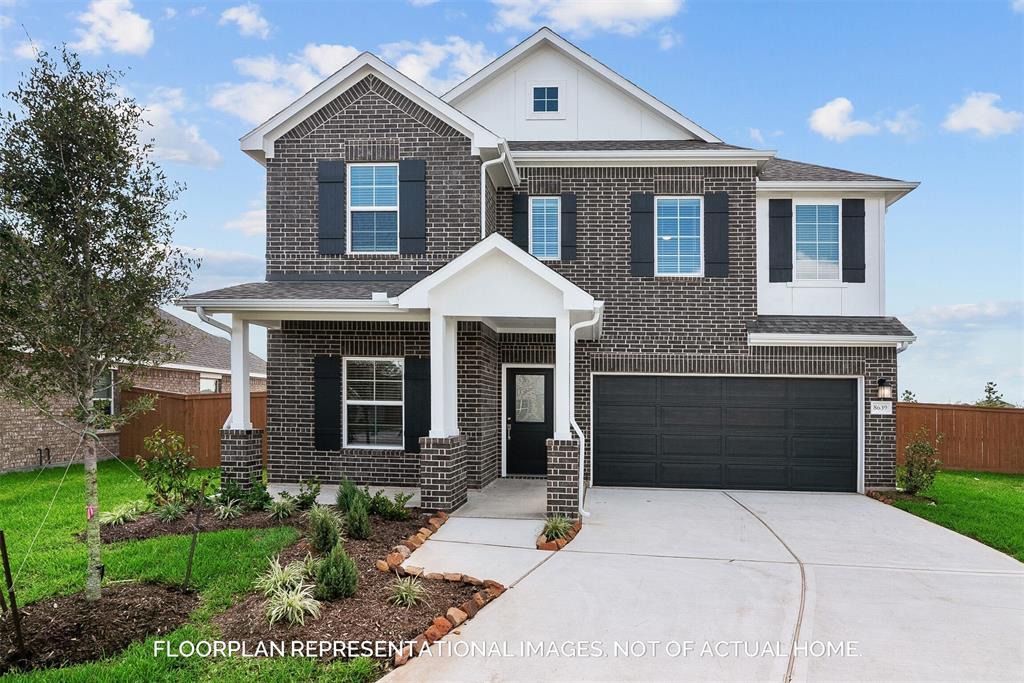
(184, 381)
(563, 484)
(479, 399)
(24, 430)
(442, 473)
(241, 456)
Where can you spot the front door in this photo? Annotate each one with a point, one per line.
(529, 421)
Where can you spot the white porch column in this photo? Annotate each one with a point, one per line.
(443, 376)
(563, 377)
(239, 375)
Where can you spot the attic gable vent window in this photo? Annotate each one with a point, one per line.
(545, 99)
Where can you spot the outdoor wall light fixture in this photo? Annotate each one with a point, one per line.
(884, 388)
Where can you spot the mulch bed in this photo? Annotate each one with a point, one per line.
(888, 497)
(150, 526)
(70, 630)
(366, 616)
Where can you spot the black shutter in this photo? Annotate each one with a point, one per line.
(853, 240)
(641, 233)
(412, 206)
(331, 184)
(521, 220)
(780, 240)
(417, 402)
(716, 234)
(327, 403)
(568, 226)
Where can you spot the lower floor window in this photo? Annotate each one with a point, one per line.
(103, 394)
(374, 402)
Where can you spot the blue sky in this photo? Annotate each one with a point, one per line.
(913, 90)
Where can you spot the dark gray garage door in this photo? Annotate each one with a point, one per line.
(725, 432)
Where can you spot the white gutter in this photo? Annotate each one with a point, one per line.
(501, 159)
(645, 157)
(224, 327)
(598, 310)
(321, 305)
(794, 339)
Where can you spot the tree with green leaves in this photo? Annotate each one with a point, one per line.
(908, 396)
(993, 398)
(86, 254)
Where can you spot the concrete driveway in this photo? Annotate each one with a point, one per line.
(714, 585)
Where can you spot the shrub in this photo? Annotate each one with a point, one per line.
(229, 490)
(279, 577)
(407, 592)
(920, 462)
(387, 508)
(357, 521)
(556, 527)
(310, 566)
(231, 509)
(324, 528)
(348, 492)
(337, 576)
(171, 511)
(257, 497)
(169, 471)
(309, 489)
(292, 605)
(281, 509)
(122, 514)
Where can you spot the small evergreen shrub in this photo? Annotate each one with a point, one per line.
(920, 462)
(388, 508)
(231, 509)
(337, 576)
(281, 509)
(556, 527)
(348, 492)
(257, 497)
(357, 521)
(407, 592)
(229, 490)
(310, 566)
(324, 528)
(292, 605)
(171, 511)
(309, 489)
(169, 471)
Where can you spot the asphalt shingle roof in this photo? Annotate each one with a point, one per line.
(305, 289)
(785, 169)
(602, 145)
(828, 324)
(199, 347)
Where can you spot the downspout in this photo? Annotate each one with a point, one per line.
(598, 309)
(503, 146)
(212, 321)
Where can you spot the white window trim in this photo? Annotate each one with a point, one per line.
(699, 198)
(558, 199)
(820, 282)
(531, 114)
(345, 403)
(112, 410)
(349, 209)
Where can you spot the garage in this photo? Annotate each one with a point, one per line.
(773, 433)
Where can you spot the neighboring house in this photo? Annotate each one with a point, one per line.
(612, 296)
(29, 439)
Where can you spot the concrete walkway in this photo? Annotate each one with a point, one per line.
(726, 582)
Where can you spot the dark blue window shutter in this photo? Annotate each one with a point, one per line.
(412, 206)
(716, 234)
(853, 240)
(568, 226)
(521, 220)
(641, 234)
(331, 195)
(780, 240)
(327, 403)
(417, 401)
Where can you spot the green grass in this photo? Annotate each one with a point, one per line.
(225, 565)
(987, 507)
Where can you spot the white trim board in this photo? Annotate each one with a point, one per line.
(786, 339)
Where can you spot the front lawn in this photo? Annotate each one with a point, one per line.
(987, 507)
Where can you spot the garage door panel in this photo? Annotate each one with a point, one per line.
(743, 476)
(755, 389)
(823, 418)
(756, 447)
(708, 475)
(819, 478)
(627, 444)
(673, 416)
(823, 448)
(675, 446)
(625, 389)
(684, 390)
(824, 390)
(626, 472)
(629, 417)
(755, 417)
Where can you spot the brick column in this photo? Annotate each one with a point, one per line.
(563, 478)
(442, 472)
(241, 455)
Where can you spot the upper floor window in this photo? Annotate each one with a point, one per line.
(545, 227)
(103, 394)
(678, 236)
(374, 399)
(545, 99)
(817, 242)
(373, 208)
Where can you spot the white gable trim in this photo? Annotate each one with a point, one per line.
(894, 190)
(417, 295)
(546, 35)
(259, 142)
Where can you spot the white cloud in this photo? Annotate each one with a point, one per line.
(277, 84)
(756, 135)
(834, 120)
(196, 11)
(223, 268)
(958, 317)
(422, 3)
(437, 66)
(583, 17)
(252, 221)
(26, 49)
(1017, 5)
(249, 19)
(668, 38)
(5, 21)
(111, 24)
(978, 112)
(170, 12)
(904, 122)
(175, 139)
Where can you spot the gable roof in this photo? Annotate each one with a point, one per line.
(602, 145)
(259, 142)
(199, 349)
(545, 36)
(786, 169)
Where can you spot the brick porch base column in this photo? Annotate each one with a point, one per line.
(442, 472)
(241, 456)
(563, 478)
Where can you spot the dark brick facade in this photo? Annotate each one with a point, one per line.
(563, 478)
(241, 456)
(442, 473)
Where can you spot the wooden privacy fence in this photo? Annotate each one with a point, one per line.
(199, 417)
(982, 439)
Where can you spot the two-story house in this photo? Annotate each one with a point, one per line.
(547, 271)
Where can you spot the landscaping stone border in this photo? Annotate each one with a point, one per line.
(455, 616)
(544, 544)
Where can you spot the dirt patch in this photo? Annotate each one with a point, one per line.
(889, 497)
(365, 616)
(70, 630)
(150, 526)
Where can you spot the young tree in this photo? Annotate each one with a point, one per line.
(993, 398)
(908, 396)
(86, 255)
